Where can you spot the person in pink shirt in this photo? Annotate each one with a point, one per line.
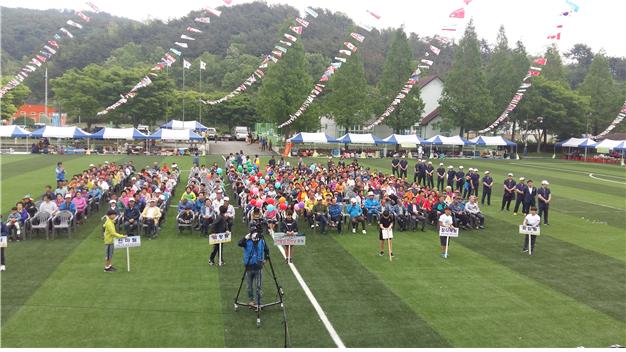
(81, 206)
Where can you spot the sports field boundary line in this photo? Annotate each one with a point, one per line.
(320, 312)
(560, 169)
(605, 180)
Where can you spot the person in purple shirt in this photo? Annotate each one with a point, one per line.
(519, 194)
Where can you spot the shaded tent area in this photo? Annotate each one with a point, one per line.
(493, 141)
(184, 125)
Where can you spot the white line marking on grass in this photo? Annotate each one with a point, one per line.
(316, 305)
(605, 180)
(567, 170)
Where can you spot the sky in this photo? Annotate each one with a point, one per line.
(596, 24)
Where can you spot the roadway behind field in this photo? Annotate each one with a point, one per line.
(225, 148)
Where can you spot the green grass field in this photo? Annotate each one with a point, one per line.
(572, 292)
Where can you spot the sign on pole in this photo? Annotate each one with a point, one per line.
(4, 241)
(529, 230)
(127, 242)
(449, 231)
(217, 238)
(282, 239)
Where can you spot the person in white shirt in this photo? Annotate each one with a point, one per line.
(48, 206)
(445, 220)
(531, 219)
(217, 200)
(151, 215)
(477, 220)
(230, 213)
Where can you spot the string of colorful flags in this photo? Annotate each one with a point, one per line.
(424, 64)
(297, 28)
(534, 71)
(617, 121)
(48, 50)
(342, 57)
(169, 58)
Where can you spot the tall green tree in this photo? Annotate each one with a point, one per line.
(605, 97)
(582, 55)
(12, 100)
(502, 79)
(466, 101)
(347, 100)
(553, 70)
(284, 88)
(398, 66)
(520, 62)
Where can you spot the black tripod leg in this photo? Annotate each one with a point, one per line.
(281, 295)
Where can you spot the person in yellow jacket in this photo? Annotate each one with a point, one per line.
(109, 234)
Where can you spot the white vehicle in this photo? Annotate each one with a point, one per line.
(240, 133)
(211, 133)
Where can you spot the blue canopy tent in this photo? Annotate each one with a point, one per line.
(13, 131)
(492, 141)
(404, 139)
(175, 135)
(443, 140)
(60, 132)
(584, 143)
(119, 133)
(353, 138)
(184, 125)
(313, 138)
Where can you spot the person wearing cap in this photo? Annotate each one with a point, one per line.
(395, 164)
(519, 194)
(530, 195)
(151, 216)
(372, 207)
(430, 173)
(476, 218)
(420, 172)
(487, 185)
(131, 217)
(68, 205)
(113, 206)
(110, 234)
(441, 177)
(509, 192)
(467, 184)
(544, 196)
(451, 176)
(404, 165)
(459, 178)
(356, 215)
(475, 176)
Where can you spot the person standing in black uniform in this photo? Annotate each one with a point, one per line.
(530, 193)
(421, 175)
(394, 166)
(509, 192)
(475, 183)
(519, 194)
(487, 184)
(416, 172)
(289, 226)
(404, 165)
(441, 177)
(451, 176)
(460, 179)
(219, 226)
(430, 170)
(544, 196)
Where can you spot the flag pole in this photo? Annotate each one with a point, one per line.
(184, 90)
(199, 102)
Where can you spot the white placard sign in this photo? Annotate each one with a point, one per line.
(4, 241)
(127, 242)
(529, 230)
(217, 238)
(449, 231)
(282, 239)
(387, 234)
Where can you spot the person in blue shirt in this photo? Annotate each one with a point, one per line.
(95, 193)
(460, 179)
(475, 182)
(487, 185)
(372, 206)
(336, 214)
(451, 176)
(254, 254)
(60, 172)
(545, 196)
(68, 205)
(131, 217)
(519, 190)
(184, 204)
(509, 192)
(356, 215)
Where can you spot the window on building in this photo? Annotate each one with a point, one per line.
(356, 129)
(33, 114)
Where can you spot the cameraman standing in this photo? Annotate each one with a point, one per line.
(254, 253)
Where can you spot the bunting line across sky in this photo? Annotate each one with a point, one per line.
(534, 70)
(49, 49)
(168, 59)
(442, 40)
(614, 123)
(298, 27)
(342, 57)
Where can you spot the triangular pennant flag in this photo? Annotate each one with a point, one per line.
(449, 28)
(350, 46)
(311, 12)
(277, 53)
(290, 37)
(534, 73)
(304, 23)
(182, 45)
(340, 59)
(376, 16)
(365, 26)
(53, 43)
(459, 13)
(435, 50)
(281, 48)
(66, 32)
(541, 61)
(285, 42)
(357, 37)
(178, 53)
(202, 65)
(74, 24)
(203, 19)
(296, 29)
(52, 51)
(193, 30)
(83, 16)
(182, 36)
(213, 11)
(427, 62)
(345, 52)
(93, 7)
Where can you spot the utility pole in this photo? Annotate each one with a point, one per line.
(45, 109)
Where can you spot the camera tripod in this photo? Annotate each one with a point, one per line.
(258, 308)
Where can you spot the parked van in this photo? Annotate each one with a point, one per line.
(240, 133)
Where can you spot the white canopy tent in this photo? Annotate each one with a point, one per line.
(12, 131)
(608, 144)
(313, 138)
(119, 133)
(175, 135)
(60, 132)
(353, 138)
(184, 125)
